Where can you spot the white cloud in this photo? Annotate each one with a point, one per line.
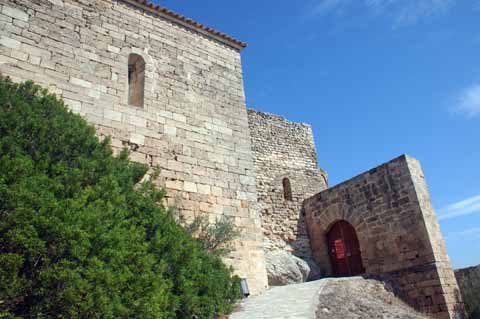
(413, 12)
(469, 232)
(326, 6)
(403, 12)
(468, 101)
(465, 207)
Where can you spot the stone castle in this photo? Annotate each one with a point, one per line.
(171, 90)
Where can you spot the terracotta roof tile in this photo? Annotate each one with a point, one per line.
(189, 22)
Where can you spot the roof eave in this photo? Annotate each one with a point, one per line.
(188, 23)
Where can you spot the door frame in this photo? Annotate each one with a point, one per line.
(352, 257)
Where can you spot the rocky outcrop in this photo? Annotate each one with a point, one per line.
(357, 297)
(345, 298)
(283, 268)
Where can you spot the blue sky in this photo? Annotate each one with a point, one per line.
(376, 79)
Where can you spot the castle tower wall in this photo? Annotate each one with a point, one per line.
(193, 123)
(399, 236)
(283, 149)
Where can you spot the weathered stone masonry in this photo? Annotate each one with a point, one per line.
(190, 119)
(390, 209)
(193, 123)
(283, 149)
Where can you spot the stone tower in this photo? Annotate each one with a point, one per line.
(162, 85)
(287, 173)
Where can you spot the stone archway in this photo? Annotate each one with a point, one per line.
(344, 250)
(321, 220)
(390, 209)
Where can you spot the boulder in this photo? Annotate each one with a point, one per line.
(283, 268)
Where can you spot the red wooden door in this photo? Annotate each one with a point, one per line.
(344, 250)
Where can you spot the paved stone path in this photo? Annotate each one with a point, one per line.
(288, 302)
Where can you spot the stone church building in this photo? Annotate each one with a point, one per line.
(171, 90)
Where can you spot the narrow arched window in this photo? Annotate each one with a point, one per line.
(136, 80)
(287, 189)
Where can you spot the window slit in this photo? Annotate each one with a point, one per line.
(136, 80)
(287, 189)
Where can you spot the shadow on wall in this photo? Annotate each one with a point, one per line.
(315, 271)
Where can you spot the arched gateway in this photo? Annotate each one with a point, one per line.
(389, 208)
(344, 250)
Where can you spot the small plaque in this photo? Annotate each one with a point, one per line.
(339, 249)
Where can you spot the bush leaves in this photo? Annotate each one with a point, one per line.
(78, 239)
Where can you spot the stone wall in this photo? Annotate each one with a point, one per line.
(193, 124)
(390, 209)
(469, 279)
(469, 283)
(283, 149)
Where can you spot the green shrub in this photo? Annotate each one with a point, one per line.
(216, 237)
(78, 238)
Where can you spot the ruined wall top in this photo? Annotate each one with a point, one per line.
(287, 172)
(285, 144)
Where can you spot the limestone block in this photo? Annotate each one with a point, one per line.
(9, 42)
(112, 115)
(80, 82)
(169, 130)
(190, 187)
(7, 60)
(15, 13)
(174, 184)
(204, 189)
(113, 49)
(137, 139)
